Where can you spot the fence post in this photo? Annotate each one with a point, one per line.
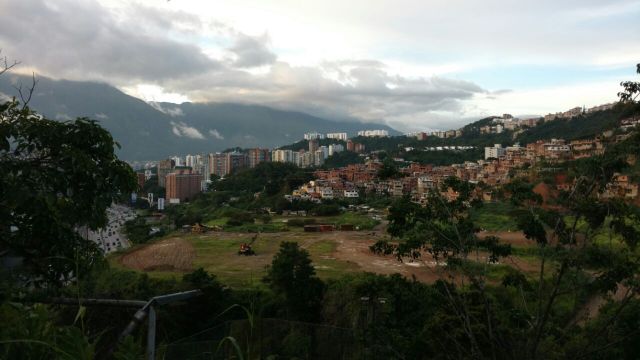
(151, 334)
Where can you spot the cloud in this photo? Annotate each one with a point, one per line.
(359, 89)
(181, 129)
(252, 51)
(101, 116)
(84, 40)
(63, 117)
(216, 134)
(426, 70)
(171, 111)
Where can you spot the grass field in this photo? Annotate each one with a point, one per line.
(217, 254)
(279, 223)
(494, 217)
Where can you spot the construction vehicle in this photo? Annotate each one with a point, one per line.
(246, 249)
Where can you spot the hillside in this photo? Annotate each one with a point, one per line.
(152, 131)
(585, 126)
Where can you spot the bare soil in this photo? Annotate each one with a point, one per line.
(178, 254)
(173, 254)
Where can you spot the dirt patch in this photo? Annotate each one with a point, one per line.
(515, 238)
(354, 247)
(172, 254)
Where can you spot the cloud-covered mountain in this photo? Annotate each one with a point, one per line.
(154, 130)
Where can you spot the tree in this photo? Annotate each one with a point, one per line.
(535, 322)
(388, 170)
(631, 89)
(292, 275)
(55, 177)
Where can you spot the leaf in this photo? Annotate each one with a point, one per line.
(82, 310)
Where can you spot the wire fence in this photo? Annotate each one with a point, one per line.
(266, 339)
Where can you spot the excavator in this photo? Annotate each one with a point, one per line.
(246, 249)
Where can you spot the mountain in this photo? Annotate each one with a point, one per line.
(148, 131)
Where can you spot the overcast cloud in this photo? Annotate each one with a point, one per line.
(414, 64)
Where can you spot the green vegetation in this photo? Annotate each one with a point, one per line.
(139, 232)
(55, 177)
(497, 216)
(342, 159)
(568, 239)
(581, 127)
(300, 303)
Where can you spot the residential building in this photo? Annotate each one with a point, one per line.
(235, 161)
(141, 179)
(339, 136)
(190, 160)
(313, 145)
(177, 160)
(373, 133)
(282, 156)
(335, 148)
(218, 164)
(602, 107)
(313, 136)
(318, 157)
(182, 185)
(494, 152)
(257, 156)
(350, 145)
(164, 168)
(351, 194)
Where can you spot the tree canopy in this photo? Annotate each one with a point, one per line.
(55, 177)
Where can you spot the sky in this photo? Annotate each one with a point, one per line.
(413, 64)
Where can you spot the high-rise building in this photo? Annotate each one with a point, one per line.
(206, 170)
(257, 155)
(313, 136)
(296, 157)
(306, 159)
(218, 164)
(177, 160)
(235, 161)
(183, 185)
(325, 151)
(190, 160)
(164, 168)
(373, 133)
(350, 146)
(141, 179)
(339, 136)
(335, 148)
(313, 145)
(282, 156)
(318, 157)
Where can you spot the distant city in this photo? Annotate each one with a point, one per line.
(183, 177)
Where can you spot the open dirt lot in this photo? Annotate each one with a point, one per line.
(333, 254)
(173, 254)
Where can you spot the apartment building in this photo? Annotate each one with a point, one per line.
(182, 185)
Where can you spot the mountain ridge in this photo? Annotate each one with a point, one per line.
(149, 131)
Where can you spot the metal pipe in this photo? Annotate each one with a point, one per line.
(98, 302)
(145, 308)
(140, 315)
(151, 334)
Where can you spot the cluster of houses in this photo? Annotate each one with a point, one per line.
(501, 164)
(507, 122)
(577, 111)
